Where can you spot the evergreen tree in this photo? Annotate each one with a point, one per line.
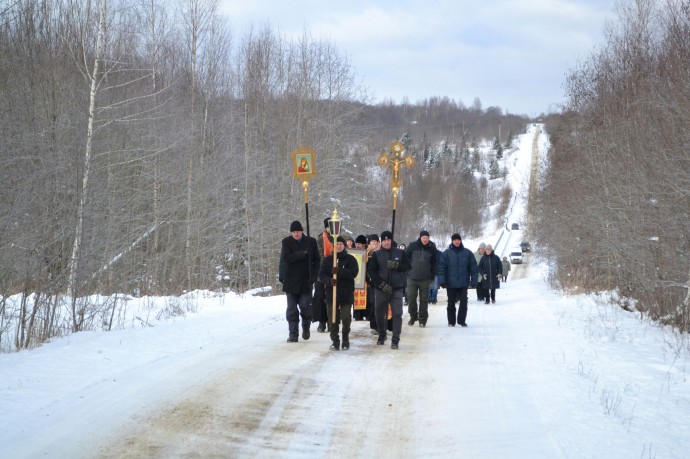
(509, 139)
(494, 169)
(499, 152)
(406, 140)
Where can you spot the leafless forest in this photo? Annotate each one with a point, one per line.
(145, 150)
(614, 202)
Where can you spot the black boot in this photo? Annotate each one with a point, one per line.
(335, 346)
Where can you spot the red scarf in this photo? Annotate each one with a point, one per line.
(327, 245)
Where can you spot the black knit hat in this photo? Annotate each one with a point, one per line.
(423, 233)
(455, 236)
(386, 235)
(342, 239)
(374, 237)
(361, 239)
(296, 226)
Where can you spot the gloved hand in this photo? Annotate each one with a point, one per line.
(392, 264)
(385, 287)
(334, 270)
(442, 285)
(334, 281)
(485, 277)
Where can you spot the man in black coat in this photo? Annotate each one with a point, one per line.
(343, 277)
(386, 269)
(300, 258)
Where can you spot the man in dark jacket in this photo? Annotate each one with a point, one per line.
(457, 270)
(386, 269)
(301, 262)
(342, 276)
(422, 256)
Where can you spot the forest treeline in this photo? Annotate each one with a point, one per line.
(614, 203)
(146, 150)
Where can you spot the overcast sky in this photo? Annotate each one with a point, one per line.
(509, 53)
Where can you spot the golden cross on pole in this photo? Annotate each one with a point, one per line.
(395, 159)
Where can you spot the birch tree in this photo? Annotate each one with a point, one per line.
(94, 77)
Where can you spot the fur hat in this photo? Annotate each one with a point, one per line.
(386, 235)
(423, 233)
(455, 236)
(296, 226)
(361, 239)
(482, 246)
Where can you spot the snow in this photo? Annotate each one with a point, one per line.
(539, 374)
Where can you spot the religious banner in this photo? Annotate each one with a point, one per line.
(360, 284)
(303, 163)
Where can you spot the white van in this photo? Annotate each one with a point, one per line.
(516, 255)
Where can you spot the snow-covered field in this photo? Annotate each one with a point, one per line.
(536, 375)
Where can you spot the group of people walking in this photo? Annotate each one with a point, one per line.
(391, 273)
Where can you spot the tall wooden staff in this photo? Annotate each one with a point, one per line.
(303, 169)
(334, 223)
(395, 159)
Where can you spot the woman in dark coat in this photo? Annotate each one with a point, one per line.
(490, 272)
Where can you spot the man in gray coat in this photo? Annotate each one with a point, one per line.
(422, 254)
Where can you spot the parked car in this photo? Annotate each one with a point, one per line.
(524, 245)
(515, 226)
(516, 255)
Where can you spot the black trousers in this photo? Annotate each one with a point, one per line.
(481, 293)
(457, 294)
(318, 305)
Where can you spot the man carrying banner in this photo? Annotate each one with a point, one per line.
(301, 266)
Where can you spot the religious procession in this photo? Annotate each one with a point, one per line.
(333, 279)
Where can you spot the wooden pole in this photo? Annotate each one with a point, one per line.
(305, 185)
(335, 287)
